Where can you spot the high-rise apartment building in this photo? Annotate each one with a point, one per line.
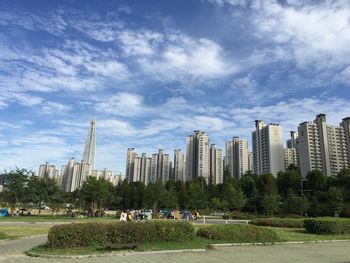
(197, 156)
(48, 170)
(216, 165)
(90, 147)
(130, 164)
(323, 147)
(179, 165)
(250, 162)
(74, 175)
(268, 150)
(237, 157)
(291, 153)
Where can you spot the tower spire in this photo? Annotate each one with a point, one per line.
(90, 146)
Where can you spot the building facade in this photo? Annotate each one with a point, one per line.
(268, 150)
(197, 156)
(323, 147)
(237, 157)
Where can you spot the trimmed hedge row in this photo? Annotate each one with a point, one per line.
(239, 233)
(278, 222)
(101, 234)
(327, 226)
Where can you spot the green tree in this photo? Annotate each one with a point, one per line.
(15, 186)
(267, 184)
(96, 192)
(44, 190)
(270, 204)
(294, 204)
(291, 179)
(335, 200)
(316, 180)
(248, 186)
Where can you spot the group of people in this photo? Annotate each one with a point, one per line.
(130, 215)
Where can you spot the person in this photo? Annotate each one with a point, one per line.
(123, 216)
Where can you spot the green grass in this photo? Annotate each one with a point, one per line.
(300, 234)
(22, 231)
(54, 219)
(3, 235)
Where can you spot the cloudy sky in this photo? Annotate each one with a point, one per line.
(154, 71)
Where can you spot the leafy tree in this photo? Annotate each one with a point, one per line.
(15, 186)
(294, 204)
(180, 189)
(42, 190)
(316, 180)
(216, 204)
(335, 200)
(248, 186)
(270, 203)
(96, 192)
(154, 193)
(291, 179)
(266, 184)
(195, 196)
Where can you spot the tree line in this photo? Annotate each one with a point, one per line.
(288, 193)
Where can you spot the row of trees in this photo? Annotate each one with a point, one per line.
(289, 193)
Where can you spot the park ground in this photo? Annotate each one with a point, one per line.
(20, 237)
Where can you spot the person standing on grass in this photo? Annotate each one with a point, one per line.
(123, 216)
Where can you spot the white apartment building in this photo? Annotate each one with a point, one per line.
(216, 165)
(250, 162)
(268, 150)
(130, 164)
(291, 152)
(237, 158)
(48, 170)
(74, 175)
(323, 147)
(197, 156)
(179, 165)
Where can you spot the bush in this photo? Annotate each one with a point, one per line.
(101, 234)
(242, 215)
(327, 226)
(278, 222)
(239, 233)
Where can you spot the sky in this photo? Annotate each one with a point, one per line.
(152, 71)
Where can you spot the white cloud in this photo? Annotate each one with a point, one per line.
(122, 104)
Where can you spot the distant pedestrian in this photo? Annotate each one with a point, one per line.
(123, 216)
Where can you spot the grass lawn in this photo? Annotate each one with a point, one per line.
(53, 218)
(22, 231)
(299, 234)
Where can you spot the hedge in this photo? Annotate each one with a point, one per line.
(101, 234)
(239, 233)
(327, 226)
(278, 222)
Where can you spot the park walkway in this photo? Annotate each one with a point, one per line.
(334, 252)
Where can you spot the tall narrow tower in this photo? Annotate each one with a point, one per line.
(90, 146)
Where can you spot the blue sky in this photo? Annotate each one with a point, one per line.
(154, 71)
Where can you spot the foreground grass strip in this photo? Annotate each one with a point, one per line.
(23, 231)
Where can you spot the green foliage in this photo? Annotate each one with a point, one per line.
(327, 226)
(101, 234)
(239, 233)
(294, 204)
(278, 222)
(248, 186)
(267, 184)
(291, 179)
(316, 180)
(335, 200)
(96, 192)
(270, 204)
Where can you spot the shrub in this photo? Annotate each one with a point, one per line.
(239, 233)
(278, 222)
(328, 226)
(100, 234)
(242, 215)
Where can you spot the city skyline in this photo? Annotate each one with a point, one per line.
(154, 72)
